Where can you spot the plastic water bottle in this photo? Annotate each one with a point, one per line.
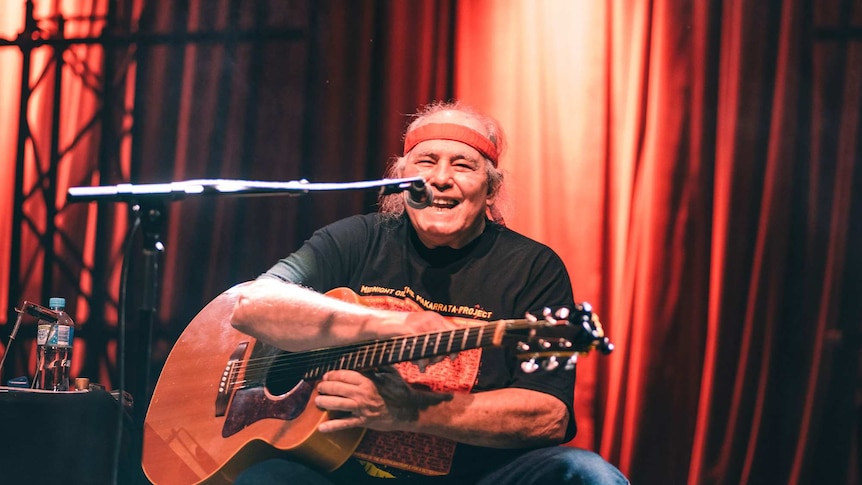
(54, 349)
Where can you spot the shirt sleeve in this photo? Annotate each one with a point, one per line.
(551, 287)
(327, 259)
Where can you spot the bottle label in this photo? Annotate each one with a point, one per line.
(64, 335)
(60, 336)
(42, 334)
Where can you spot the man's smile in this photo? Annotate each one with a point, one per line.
(444, 203)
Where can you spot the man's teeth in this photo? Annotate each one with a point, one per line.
(444, 204)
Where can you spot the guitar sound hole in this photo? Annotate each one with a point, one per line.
(283, 375)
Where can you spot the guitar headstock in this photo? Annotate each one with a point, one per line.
(560, 334)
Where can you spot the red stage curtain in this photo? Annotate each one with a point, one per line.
(694, 163)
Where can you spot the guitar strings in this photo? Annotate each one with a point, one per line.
(366, 355)
(314, 363)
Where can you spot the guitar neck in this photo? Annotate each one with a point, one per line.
(367, 355)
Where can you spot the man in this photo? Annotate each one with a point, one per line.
(475, 417)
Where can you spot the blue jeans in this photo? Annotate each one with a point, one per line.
(553, 465)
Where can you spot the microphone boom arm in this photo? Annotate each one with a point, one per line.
(228, 187)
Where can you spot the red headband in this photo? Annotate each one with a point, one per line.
(455, 132)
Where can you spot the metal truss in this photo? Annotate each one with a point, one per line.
(49, 254)
(72, 250)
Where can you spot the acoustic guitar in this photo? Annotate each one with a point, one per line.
(224, 401)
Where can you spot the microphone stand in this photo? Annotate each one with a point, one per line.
(148, 209)
(151, 214)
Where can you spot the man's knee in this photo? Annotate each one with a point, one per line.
(581, 467)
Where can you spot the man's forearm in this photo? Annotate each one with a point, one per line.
(502, 418)
(294, 318)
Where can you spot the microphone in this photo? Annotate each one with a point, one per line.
(419, 195)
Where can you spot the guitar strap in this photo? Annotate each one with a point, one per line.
(415, 452)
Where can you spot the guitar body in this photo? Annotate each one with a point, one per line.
(203, 427)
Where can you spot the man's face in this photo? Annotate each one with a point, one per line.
(459, 182)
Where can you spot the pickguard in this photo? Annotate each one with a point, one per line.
(252, 404)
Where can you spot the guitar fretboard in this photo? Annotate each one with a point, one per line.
(398, 349)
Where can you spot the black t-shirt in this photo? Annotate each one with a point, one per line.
(501, 274)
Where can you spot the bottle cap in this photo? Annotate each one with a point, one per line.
(57, 303)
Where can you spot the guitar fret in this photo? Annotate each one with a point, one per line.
(464, 339)
(401, 352)
(451, 338)
(479, 336)
(413, 347)
(392, 351)
(436, 344)
(381, 358)
(425, 345)
(373, 351)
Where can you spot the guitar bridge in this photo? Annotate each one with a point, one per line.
(228, 379)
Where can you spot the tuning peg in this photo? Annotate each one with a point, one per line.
(544, 344)
(529, 366)
(562, 313)
(551, 363)
(605, 346)
(570, 364)
(530, 317)
(523, 346)
(548, 314)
